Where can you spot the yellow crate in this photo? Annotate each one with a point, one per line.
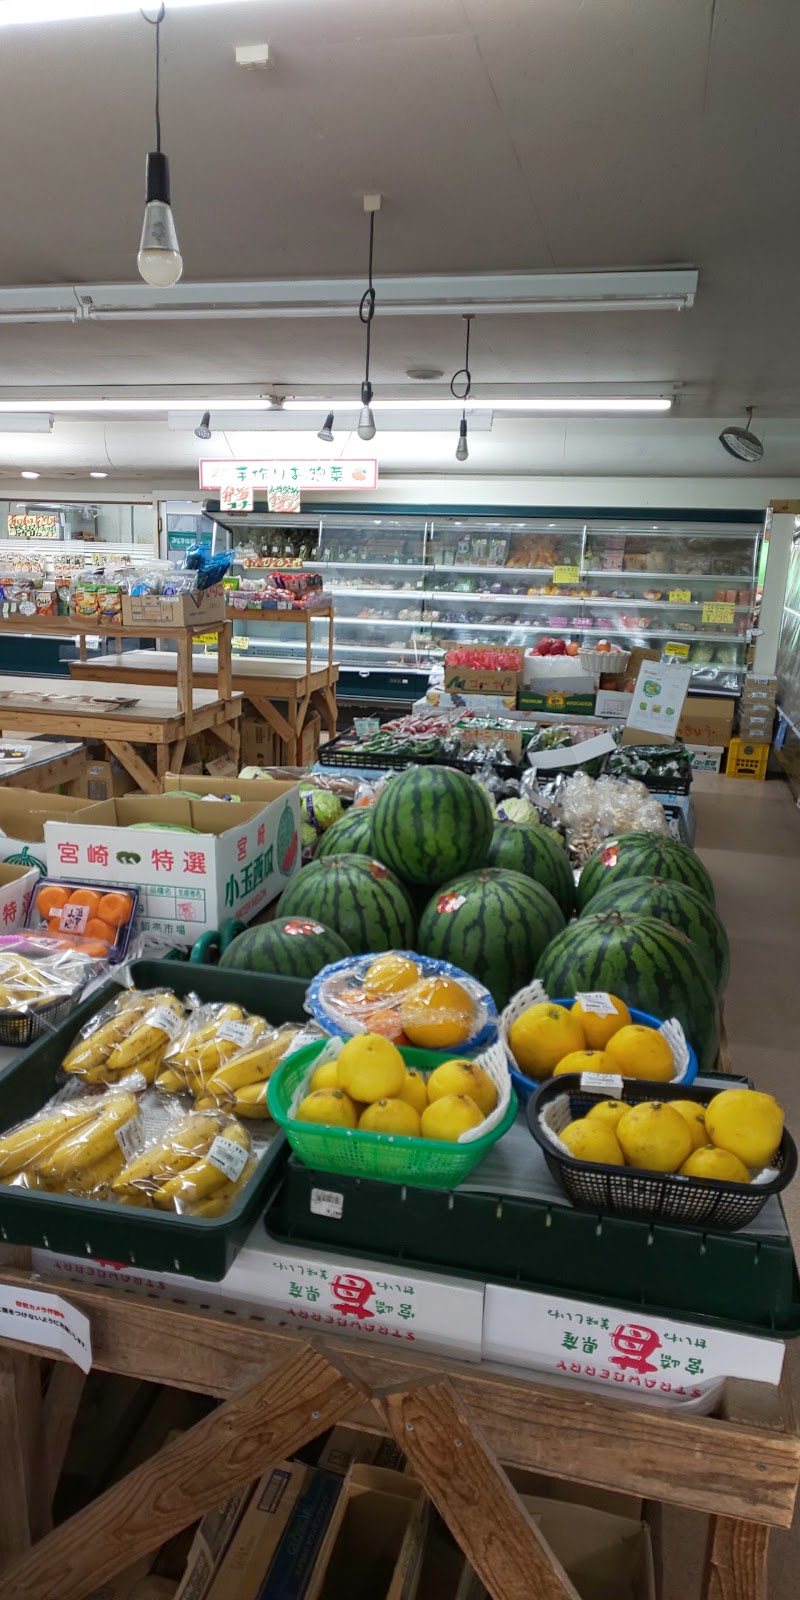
(747, 760)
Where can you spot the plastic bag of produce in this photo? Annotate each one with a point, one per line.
(37, 969)
(240, 1084)
(73, 1146)
(131, 1033)
(210, 1038)
(195, 1164)
(594, 808)
(409, 998)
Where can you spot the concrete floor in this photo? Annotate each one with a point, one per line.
(748, 835)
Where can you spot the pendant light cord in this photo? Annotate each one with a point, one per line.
(155, 22)
(366, 310)
(464, 372)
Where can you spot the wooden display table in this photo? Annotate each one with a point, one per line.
(296, 684)
(49, 766)
(455, 1422)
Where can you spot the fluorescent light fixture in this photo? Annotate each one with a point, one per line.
(625, 405)
(17, 422)
(14, 13)
(29, 474)
(98, 474)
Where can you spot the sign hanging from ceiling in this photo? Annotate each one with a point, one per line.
(34, 525)
(236, 497)
(261, 476)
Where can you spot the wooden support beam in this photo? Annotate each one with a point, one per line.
(133, 763)
(192, 1475)
(60, 1408)
(736, 1561)
(19, 1432)
(471, 1492)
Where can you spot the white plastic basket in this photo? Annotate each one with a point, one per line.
(603, 660)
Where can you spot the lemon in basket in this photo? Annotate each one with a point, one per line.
(693, 1115)
(746, 1122)
(370, 1067)
(414, 1090)
(325, 1077)
(583, 1061)
(449, 1117)
(390, 1116)
(653, 1136)
(463, 1077)
(390, 974)
(329, 1108)
(590, 1141)
(437, 1014)
(543, 1036)
(640, 1052)
(709, 1162)
(607, 1112)
(598, 1028)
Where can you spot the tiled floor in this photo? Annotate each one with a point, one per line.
(749, 837)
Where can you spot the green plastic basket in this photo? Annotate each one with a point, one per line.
(389, 1157)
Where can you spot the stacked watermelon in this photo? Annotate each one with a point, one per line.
(357, 898)
(493, 924)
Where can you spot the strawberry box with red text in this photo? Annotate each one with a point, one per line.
(195, 862)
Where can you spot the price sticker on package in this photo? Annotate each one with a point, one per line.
(680, 597)
(675, 649)
(566, 574)
(236, 1032)
(719, 611)
(130, 1137)
(605, 1083)
(165, 1020)
(600, 1005)
(228, 1156)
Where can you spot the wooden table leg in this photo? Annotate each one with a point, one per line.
(324, 701)
(472, 1493)
(20, 1431)
(178, 755)
(284, 729)
(60, 1408)
(184, 678)
(224, 666)
(736, 1560)
(133, 763)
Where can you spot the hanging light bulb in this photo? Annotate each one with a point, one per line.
(326, 431)
(160, 261)
(204, 430)
(366, 312)
(463, 377)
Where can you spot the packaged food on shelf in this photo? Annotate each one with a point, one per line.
(210, 1037)
(194, 1163)
(129, 1035)
(96, 914)
(407, 997)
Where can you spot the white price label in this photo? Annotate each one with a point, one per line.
(130, 1137)
(228, 1156)
(605, 1083)
(600, 1005)
(236, 1032)
(161, 1017)
(327, 1203)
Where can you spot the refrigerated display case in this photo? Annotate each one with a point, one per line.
(407, 585)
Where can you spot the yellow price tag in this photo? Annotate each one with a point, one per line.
(680, 597)
(206, 638)
(241, 642)
(676, 649)
(566, 574)
(718, 611)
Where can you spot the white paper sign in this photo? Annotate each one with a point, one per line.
(658, 698)
(45, 1319)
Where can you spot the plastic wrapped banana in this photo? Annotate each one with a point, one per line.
(132, 1034)
(197, 1166)
(240, 1085)
(33, 974)
(213, 1036)
(77, 1147)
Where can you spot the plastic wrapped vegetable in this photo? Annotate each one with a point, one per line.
(213, 1035)
(76, 1147)
(240, 1084)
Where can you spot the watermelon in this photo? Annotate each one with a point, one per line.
(642, 961)
(294, 947)
(683, 908)
(356, 897)
(493, 924)
(430, 823)
(643, 855)
(538, 853)
(350, 836)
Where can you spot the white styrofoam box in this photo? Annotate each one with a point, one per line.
(612, 703)
(659, 1359)
(705, 757)
(313, 1290)
(238, 858)
(556, 673)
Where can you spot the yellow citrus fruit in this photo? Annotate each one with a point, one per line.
(391, 1116)
(463, 1077)
(709, 1162)
(692, 1113)
(639, 1052)
(543, 1036)
(437, 1013)
(370, 1068)
(607, 1112)
(325, 1077)
(598, 1030)
(414, 1091)
(390, 974)
(449, 1117)
(328, 1107)
(591, 1141)
(654, 1137)
(583, 1061)
(746, 1122)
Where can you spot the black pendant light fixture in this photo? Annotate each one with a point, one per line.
(463, 380)
(204, 430)
(326, 431)
(741, 443)
(160, 261)
(366, 312)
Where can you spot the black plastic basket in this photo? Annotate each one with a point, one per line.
(335, 754)
(651, 1196)
(20, 1028)
(655, 783)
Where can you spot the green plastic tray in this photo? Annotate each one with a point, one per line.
(728, 1280)
(200, 1247)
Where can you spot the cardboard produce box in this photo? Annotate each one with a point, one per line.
(182, 610)
(705, 757)
(556, 701)
(612, 703)
(250, 1550)
(23, 816)
(605, 1557)
(17, 885)
(209, 1545)
(309, 739)
(374, 1543)
(706, 719)
(259, 742)
(480, 680)
(237, 859)
(344, 1446)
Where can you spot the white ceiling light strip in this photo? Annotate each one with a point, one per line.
(19, 13)
(600, 405)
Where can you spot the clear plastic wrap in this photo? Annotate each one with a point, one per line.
(97, 918)
(75, 1146)
(194, 1163)
(212, 1037)
(594, 808)
(410, 999)
(37, 970)
(131, 1034)
(240, 1084)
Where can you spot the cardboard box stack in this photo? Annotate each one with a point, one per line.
(757, 709)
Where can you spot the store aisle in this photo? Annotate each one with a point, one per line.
(748, 835)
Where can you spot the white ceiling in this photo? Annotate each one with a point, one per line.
(505, 134)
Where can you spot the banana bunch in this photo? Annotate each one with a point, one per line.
(23, 983)
(23, 1149)
(206, 1188)
(241, 1084)
(143, 1049)
(72, 1149)
(184, 1143)
(88, 1056)
(189, 1169)
(216, 1035)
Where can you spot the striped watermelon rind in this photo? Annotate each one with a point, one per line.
(643, 855)
(536, 852)
(642, 961)
(291, 947)
(493, 924)
(679, 906)
(358, 898)
(432, 823)
(351, 835)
